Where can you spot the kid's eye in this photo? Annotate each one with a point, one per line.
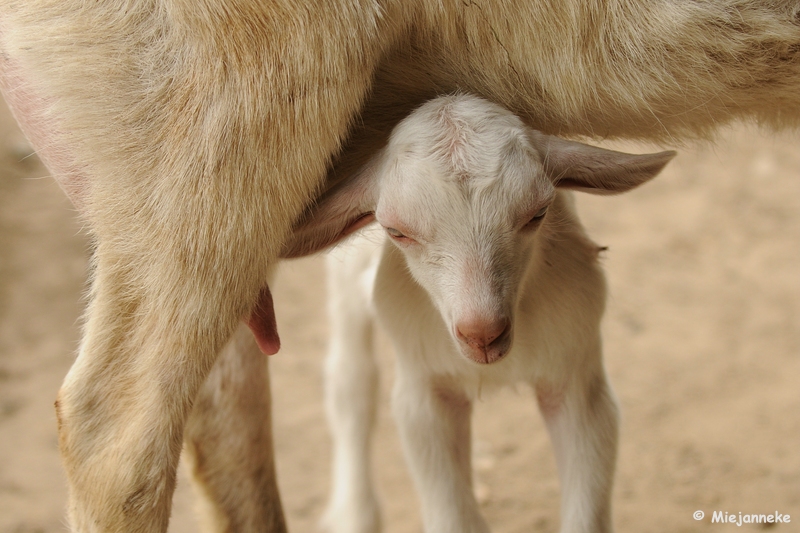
(540, 214)
(537, 217)
(399, 237)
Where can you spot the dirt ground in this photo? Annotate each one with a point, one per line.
(702, 343)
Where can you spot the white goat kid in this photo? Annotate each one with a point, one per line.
(489, 280)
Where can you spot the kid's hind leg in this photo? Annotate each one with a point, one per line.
(351, 392)
(582, 420)
(228, 443)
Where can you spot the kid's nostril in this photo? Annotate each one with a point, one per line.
(481, 333)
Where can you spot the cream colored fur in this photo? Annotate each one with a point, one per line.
(192, 133)
(228, 442)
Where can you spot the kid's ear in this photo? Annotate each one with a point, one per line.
(337, 213)
(574, 165)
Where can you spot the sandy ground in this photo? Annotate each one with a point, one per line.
(702, 342)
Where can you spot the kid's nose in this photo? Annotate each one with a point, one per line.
(485, 340)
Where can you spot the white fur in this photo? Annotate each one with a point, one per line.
(463, 176)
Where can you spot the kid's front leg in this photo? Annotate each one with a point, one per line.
(582, 420)
(433, 417)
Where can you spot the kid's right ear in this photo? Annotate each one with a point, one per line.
(340, 211)
(574, 165)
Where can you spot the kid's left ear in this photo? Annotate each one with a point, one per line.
(574, 165)
(337, 213)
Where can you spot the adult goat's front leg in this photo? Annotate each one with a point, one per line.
(582, 420)
(229, 445)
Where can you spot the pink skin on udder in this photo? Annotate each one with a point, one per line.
(29, 109)
(262, 323)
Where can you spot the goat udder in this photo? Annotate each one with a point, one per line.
(263, 325)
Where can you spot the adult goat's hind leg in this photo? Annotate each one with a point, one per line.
(229, 445)
(351, 390)
(123, 405)
(582, 419)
